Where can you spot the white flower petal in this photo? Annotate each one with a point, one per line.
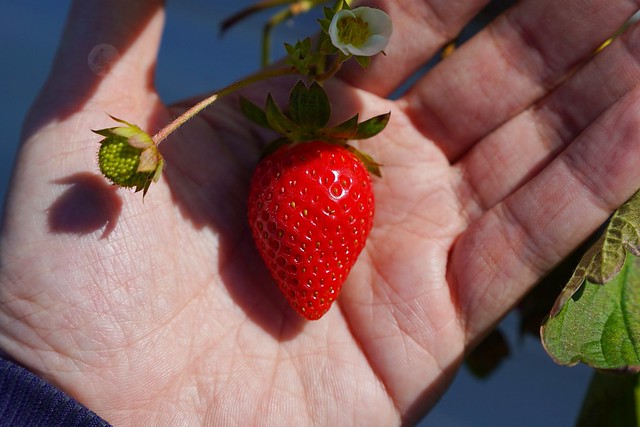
(374, 45)
(334, 33)
(379, 22)
(378, 25)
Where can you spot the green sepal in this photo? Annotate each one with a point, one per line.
(299, 55)
(135, 136)
(372, 126)
(306, 120)
(305, 61)
(372, 166)
(309, 106)
(325, 22)
(254, 113)
(328, 13)
(324, 25)
(277, 119)
(364, 61)
(344, 131)
(327, 47)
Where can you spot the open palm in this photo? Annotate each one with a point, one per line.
(497, 164)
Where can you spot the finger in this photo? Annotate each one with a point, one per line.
(509, 65)
(107, 51)
(420, 29)
(504, 160)
(504, 253)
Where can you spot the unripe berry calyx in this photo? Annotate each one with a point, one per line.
(128, 157)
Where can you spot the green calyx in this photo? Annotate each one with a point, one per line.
(128, 156)
(307, 119)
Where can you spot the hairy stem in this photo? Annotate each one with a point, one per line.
(191, 112)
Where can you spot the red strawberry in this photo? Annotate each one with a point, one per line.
(310, 211)
(310, 200)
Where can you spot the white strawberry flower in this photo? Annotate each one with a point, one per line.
(362, 31)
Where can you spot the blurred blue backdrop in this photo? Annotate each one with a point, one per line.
(527, 390)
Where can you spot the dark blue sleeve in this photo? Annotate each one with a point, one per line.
(28, 400)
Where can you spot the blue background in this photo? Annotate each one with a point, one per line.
(528, 389)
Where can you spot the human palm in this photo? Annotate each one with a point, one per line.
(161, 310)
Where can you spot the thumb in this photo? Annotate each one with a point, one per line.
(108, 49)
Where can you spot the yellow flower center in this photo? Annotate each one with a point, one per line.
(353, 31)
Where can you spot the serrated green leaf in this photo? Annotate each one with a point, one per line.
(611, 400)
(277, 120)
(600, 324)
(309, 106)
(254, 113)
(605, 258)
(372, 127)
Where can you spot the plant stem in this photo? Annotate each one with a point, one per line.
(332, 70)
(191, 112)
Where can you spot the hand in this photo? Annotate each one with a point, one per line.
(497, 164)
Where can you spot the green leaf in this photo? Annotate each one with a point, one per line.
(277, 120)
(611, 400)
(600, 324)
(372, 127)
(254, 113)
(605, 258)
(309, 106)
(534, 307)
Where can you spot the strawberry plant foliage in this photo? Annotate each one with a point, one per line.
(600, 324)
(605, 258)
(596, 318)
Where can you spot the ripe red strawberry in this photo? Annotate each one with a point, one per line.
(310, 211)
(310, 199)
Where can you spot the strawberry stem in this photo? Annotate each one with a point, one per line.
(335, 67)
(191, 112)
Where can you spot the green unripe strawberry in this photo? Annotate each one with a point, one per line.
(128, 157)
